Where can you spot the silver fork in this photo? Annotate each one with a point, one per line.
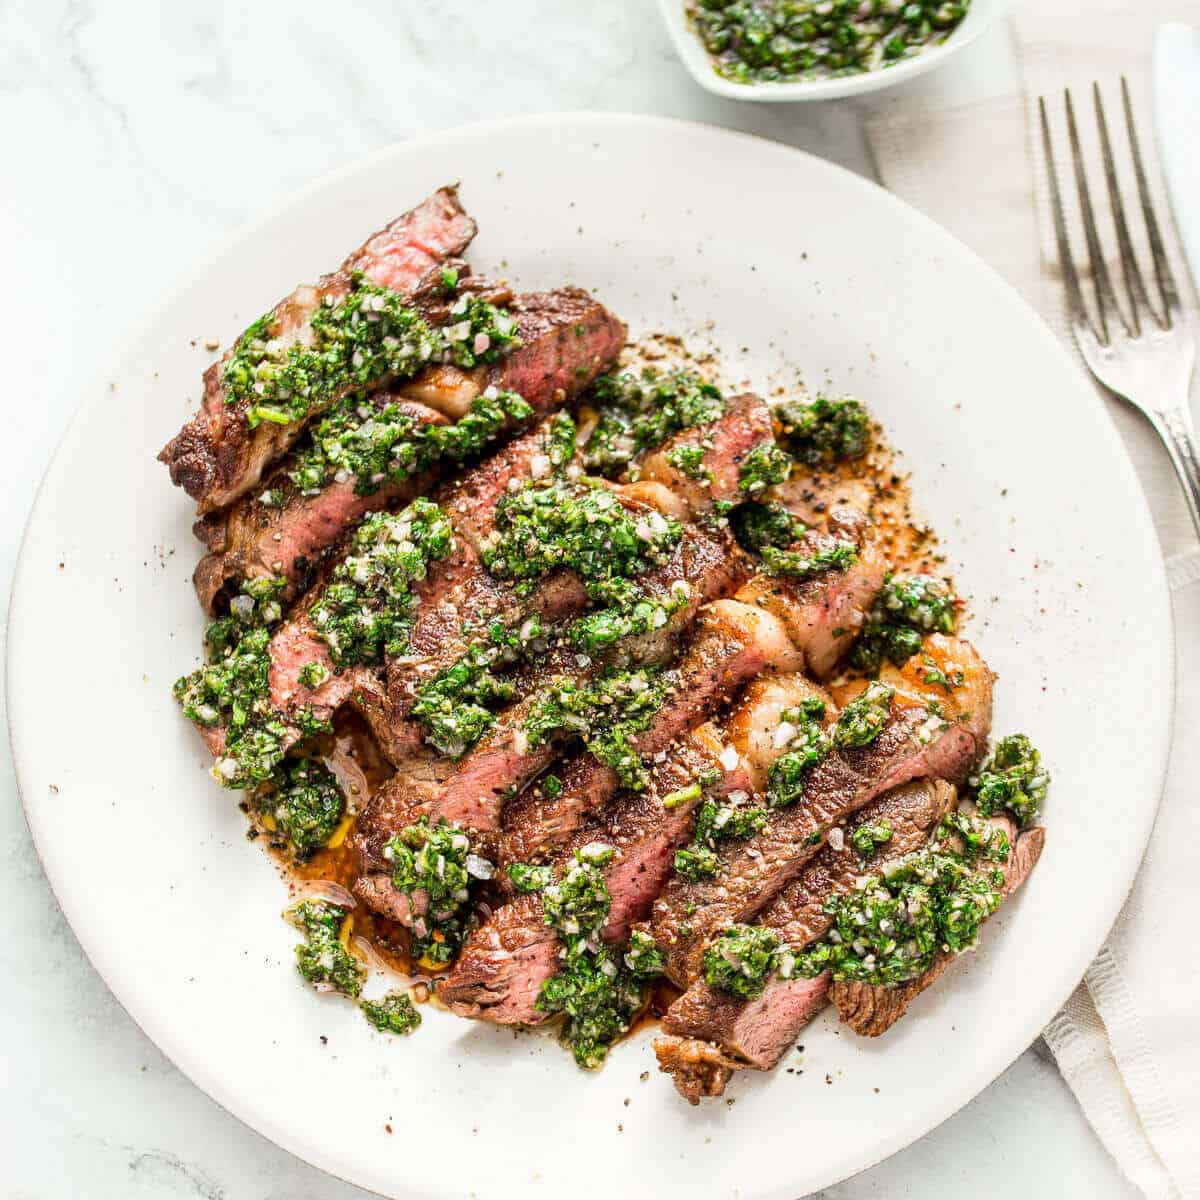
(1142, 353)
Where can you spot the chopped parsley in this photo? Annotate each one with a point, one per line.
(907, 608)
(824, 429)
(867, 838)
(582, 527)
(306, 806)
(599, 988)
(863, 719)
(807, 744)
(607, 712)
(1013, 779)
(321, 958)
(757, 525)
(365, 611)
(367, 336)
(892, 927)
(741, 960)
(763, 466)
(434, 866)
(638, 410)
(377, 445)
(232, 689)
(836, 557)
(395, 1013)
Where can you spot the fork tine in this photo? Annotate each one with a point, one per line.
(1129, 267)
(1106, 298)
(1162, 268)
(1075, 302)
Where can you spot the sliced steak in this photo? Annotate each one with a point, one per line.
(915, 744)
(823, 614)
(472, 791)
(870, 1009)
(725, 652)
(756, 1033)
(290, 535)
(499, 974)
(725, 442)
(217, 456)
(567, 340)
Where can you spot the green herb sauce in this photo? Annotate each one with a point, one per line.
(892, 927)
(1013, 779)
(906, 609)
(375, 446)
(639, 410)
(599, 987)
(798, 565)
(716, 823)
(607, 712)
(365, 611)
(867, 838)
(863, 719)
(824, 430)
(437, 862)
(778, 41)
(741, 961)
(579, 526)
(321, 958)
(757, 526)
(367, 336)
(232, 689)
(807, 745)
(395, 1013)
(307, 805)
(763, 466)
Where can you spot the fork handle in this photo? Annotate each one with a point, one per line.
(1179, 436)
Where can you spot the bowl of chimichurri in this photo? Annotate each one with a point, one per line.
(818, 49)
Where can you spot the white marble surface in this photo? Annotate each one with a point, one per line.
(135, 135)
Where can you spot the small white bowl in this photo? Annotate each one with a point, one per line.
(690, 48)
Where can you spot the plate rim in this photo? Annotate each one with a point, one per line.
(1156, 590)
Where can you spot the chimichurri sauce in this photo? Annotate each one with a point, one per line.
(761, 41)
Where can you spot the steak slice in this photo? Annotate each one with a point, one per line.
(472, 791)
(499, 974)
(823, 614)
(726, 1033)
(291, 534)
(567, 340)
(916, 743)
(725, 442)
(871, 1009)
(442, 635)
(217, 456)
(732, 644)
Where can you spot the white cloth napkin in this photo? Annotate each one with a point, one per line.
(1127, 1041)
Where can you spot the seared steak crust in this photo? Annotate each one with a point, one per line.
(756, 1033)
(719, 660)
(871, 1010)
(217, 457)
(823, 615)
(687, 914)
(495, 978)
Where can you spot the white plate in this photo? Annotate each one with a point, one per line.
(980, 16)
(796, 265)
